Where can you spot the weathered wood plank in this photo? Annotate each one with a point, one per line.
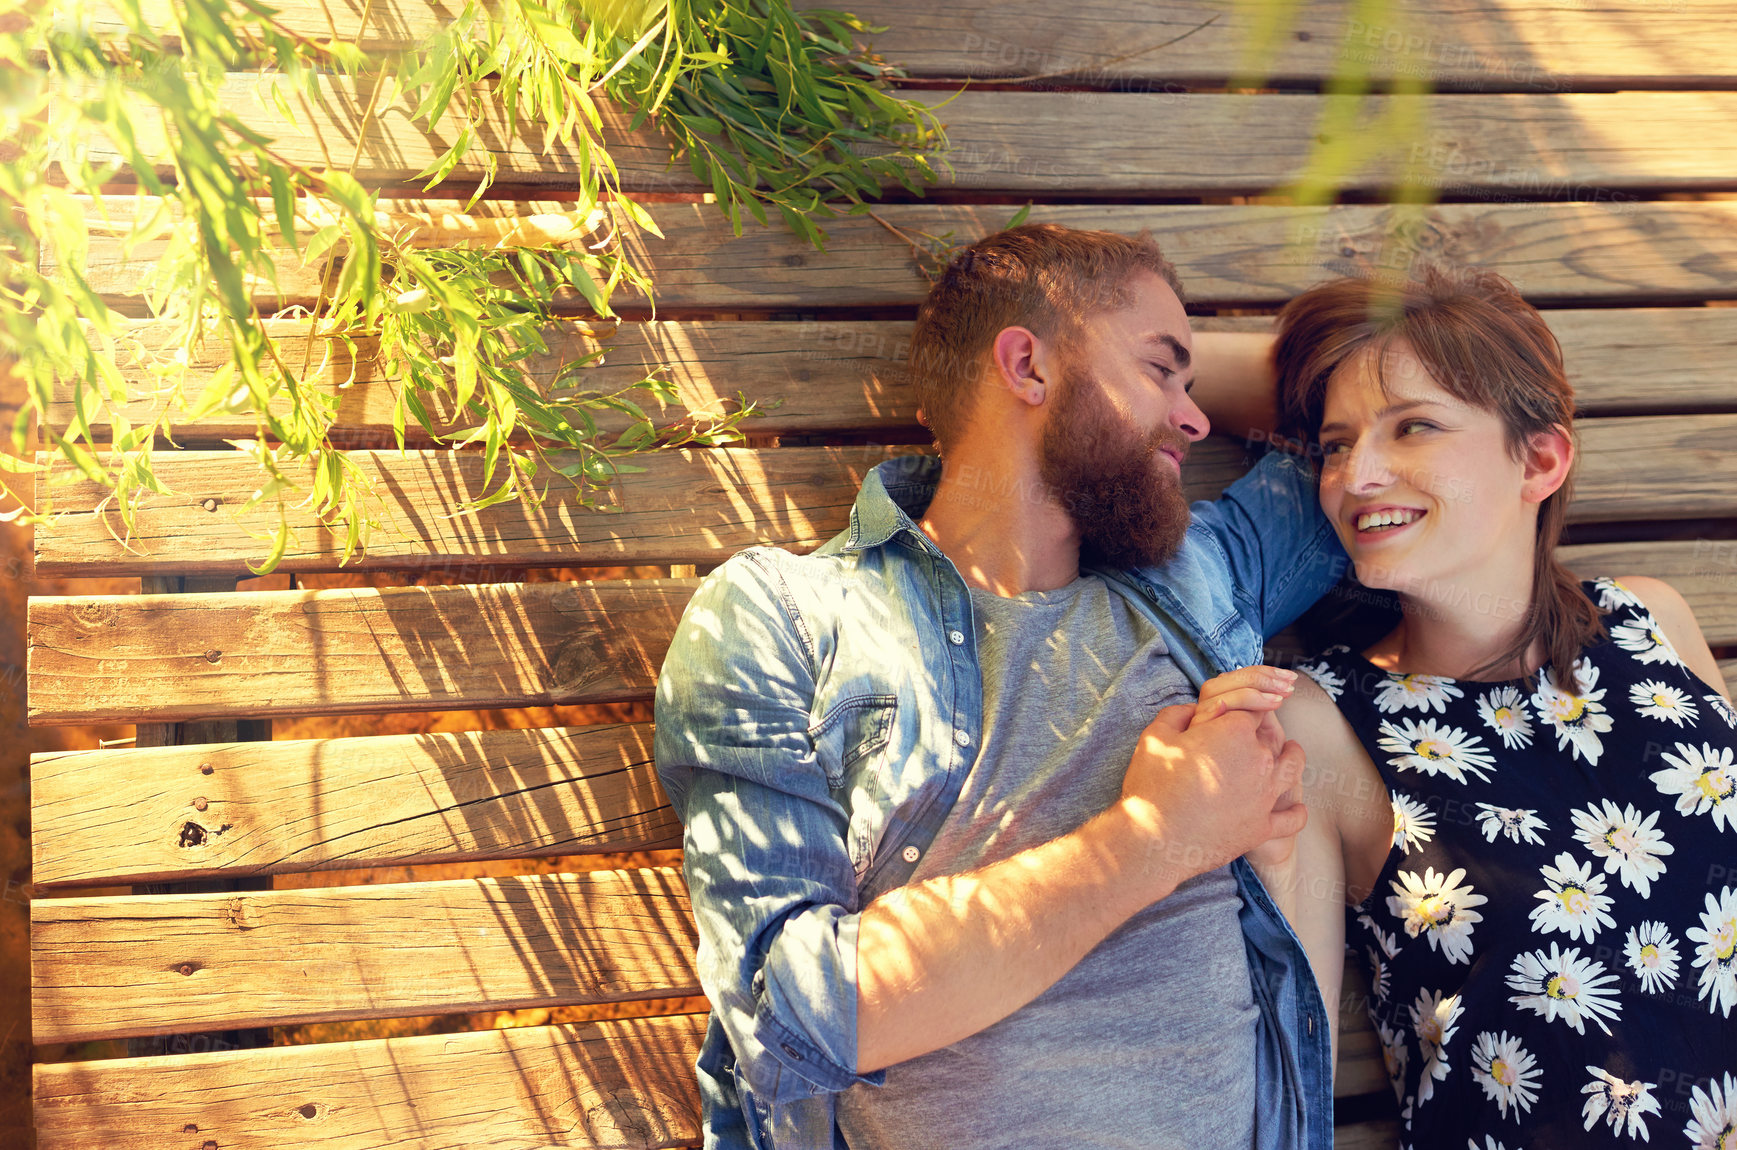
(358, 650)
(1655, 467)
(1376, 1135)
(159, 964)
(700, 506)
(1488, 44)
(1532, 146)
(1230, 255)
(161, 813)
(685, 507)
(1728, 667)
(621, 1084)
(1704, 571)
(851, 375)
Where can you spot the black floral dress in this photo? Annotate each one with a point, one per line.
(1552, 943)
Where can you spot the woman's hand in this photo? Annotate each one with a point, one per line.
(1261, 690)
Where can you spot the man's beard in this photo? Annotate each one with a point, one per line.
(1122, 495)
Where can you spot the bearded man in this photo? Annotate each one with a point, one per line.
(965, 791)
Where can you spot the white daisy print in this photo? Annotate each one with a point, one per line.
(1507, 1072)
(1435, 1020)
(1657, 700)
(1713, 1115)
(1413, 824)
(1619, 1103)
(1717, 952)
(1394, 1053)
(1723, 708)
(1490, 1143)
(1424, 692)
(1380, 975)
(1578, 719)
(1632, 847)
(1504, 712)
(1434, 748)
(1437, 907)
(1574, 901)
(1612, 594)
(1642, 637)
(1704, 781)
(1518, 825)
(1563, 985)
(1651, 953)
(1389, 943)
(1328, 679)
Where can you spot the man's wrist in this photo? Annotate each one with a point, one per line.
(1145, 864)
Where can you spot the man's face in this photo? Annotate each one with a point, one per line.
(1114, 441)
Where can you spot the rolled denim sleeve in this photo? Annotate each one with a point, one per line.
(773, 889)
(1279, 543)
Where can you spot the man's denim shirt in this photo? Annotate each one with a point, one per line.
(816, 718)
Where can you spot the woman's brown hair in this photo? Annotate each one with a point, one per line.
(1487, 347)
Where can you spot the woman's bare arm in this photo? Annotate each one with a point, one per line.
(1335, 859)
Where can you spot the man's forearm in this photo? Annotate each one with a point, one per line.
(1234, 381)
(940, 960)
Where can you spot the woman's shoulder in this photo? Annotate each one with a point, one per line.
(1672, 616)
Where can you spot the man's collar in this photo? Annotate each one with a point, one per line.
(892, 499)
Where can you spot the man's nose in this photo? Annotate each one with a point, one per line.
(1186, 417)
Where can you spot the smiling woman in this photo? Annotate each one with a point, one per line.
(1524, 756)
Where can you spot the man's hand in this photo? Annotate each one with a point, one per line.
(1209, 780)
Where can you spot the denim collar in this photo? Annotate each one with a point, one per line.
(893, 497)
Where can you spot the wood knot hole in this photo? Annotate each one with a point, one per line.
(794, 261)
(209, 1146)
(213, 655)
(209, 505)
(308, 1111)
(206, 768)
(192, 835)
(189, 1129)
(1305, 37)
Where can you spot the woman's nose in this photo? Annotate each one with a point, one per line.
(1367, 470)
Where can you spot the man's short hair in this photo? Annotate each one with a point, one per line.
(1045, 277)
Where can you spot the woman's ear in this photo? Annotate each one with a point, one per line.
(1549, 459)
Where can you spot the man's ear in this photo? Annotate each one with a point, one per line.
(1549, 458)
(1015, 354)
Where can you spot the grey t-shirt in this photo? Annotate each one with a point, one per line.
(1149, 1042)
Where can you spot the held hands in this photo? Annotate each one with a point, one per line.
(1216, 779)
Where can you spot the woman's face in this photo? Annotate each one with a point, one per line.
(1421, 487)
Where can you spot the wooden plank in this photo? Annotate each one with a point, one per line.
(1532, 146)
(701, 506)
(1382, 1134)
(1228, 255)
(106, 967)
(627, 1083)
(1660, 467)
(1493, 44)
(355, 650)
(1703, 570)
(1728, 667)
(1361, 1069)
(812, 377)
(156, 814)
(851, 375)
(685, 507)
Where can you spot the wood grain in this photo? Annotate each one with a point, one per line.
(702, 506)
(621, 1084)
(1728, 667)
(1532, 146)
(161, 813)
(1486, 44)
(1228, 255)
(362, 650)
(163, 964)
(851, 375)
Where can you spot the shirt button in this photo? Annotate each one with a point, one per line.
(963, 738)
(956, 637)
(909, 854)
